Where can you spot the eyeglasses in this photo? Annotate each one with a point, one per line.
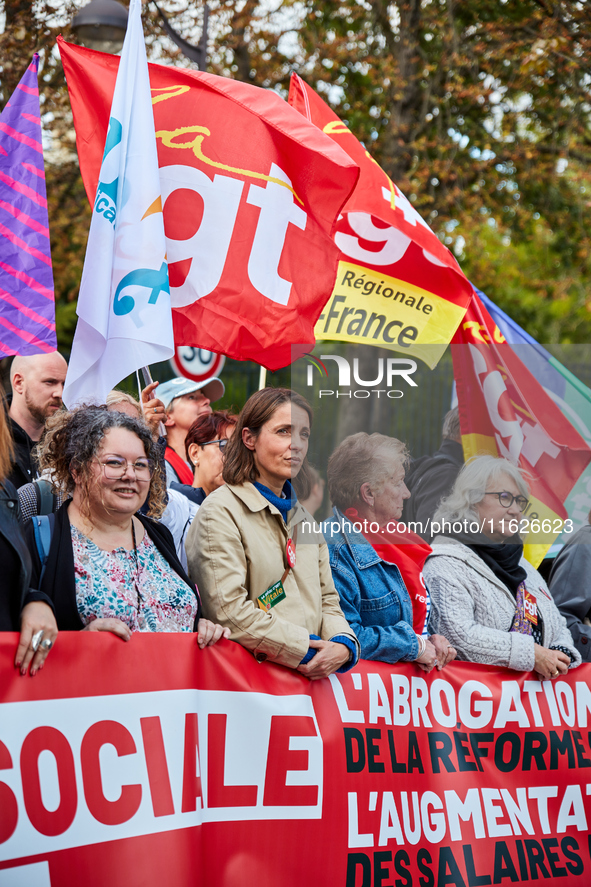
(114, 468)
(507, 500)
(222, 444)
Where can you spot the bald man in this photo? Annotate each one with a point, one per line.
(37, 386)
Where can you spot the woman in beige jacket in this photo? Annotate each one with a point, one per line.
(252, 551)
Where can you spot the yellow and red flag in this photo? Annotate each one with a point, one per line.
(398, 286)
(250, 196)
(504, 411)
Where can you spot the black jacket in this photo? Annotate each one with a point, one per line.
(23, 469)
(59, 582)
(194, 494)
(570, 584)
(429, 480)
(15, 561)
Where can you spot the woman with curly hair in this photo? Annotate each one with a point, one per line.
(110, 568)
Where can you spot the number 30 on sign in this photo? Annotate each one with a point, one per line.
(196, 363)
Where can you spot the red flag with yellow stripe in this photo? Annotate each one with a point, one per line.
(504, 411)
(397, 286)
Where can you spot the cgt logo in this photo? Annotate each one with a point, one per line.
(197, 262)
(387, 370)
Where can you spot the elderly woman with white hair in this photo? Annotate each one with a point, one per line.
(494, 607)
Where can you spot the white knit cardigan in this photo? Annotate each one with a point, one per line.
(476, 609)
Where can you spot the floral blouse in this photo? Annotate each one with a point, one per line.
(145, 593)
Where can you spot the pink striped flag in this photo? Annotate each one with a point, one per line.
(27, 303)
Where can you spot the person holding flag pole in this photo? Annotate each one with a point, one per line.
(124, 311)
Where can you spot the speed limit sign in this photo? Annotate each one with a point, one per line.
(196, 364)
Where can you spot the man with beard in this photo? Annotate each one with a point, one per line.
(37, 385)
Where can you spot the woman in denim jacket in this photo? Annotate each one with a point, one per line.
(368, 549)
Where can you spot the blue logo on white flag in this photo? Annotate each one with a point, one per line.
(124, 313)
(106, 194)
(150, 278)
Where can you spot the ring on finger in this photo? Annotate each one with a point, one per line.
(36, 640)
(46, 644)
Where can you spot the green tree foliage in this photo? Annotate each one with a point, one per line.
(478, 110)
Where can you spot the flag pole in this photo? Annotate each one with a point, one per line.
(262, 377)
(130, 166)
(146, 375)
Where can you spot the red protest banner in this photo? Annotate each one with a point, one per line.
(154, 763)
(397, 286)
(251, 192)
(505, 411)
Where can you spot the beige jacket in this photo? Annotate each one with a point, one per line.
(236, 550)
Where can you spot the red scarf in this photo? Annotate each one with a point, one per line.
(185, 475)
(408, 551)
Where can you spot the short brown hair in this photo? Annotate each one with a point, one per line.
(209, 427)
(239, 464)
(360, 459)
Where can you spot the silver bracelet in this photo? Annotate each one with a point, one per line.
(422, 646)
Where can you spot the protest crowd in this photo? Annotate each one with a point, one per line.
(171, 516)
(165, 513)
(233, 221)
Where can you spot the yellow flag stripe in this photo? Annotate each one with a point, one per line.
(375, 309)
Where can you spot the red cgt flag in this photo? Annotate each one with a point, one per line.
(251, 193)
(397, 286)
(504, 411)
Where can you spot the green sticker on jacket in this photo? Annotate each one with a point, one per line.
(271, 596)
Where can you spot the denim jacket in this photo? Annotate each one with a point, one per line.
(373, 596)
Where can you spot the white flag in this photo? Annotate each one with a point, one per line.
(124, 314)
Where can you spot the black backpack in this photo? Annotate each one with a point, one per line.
(45, 497)
(36, 498)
